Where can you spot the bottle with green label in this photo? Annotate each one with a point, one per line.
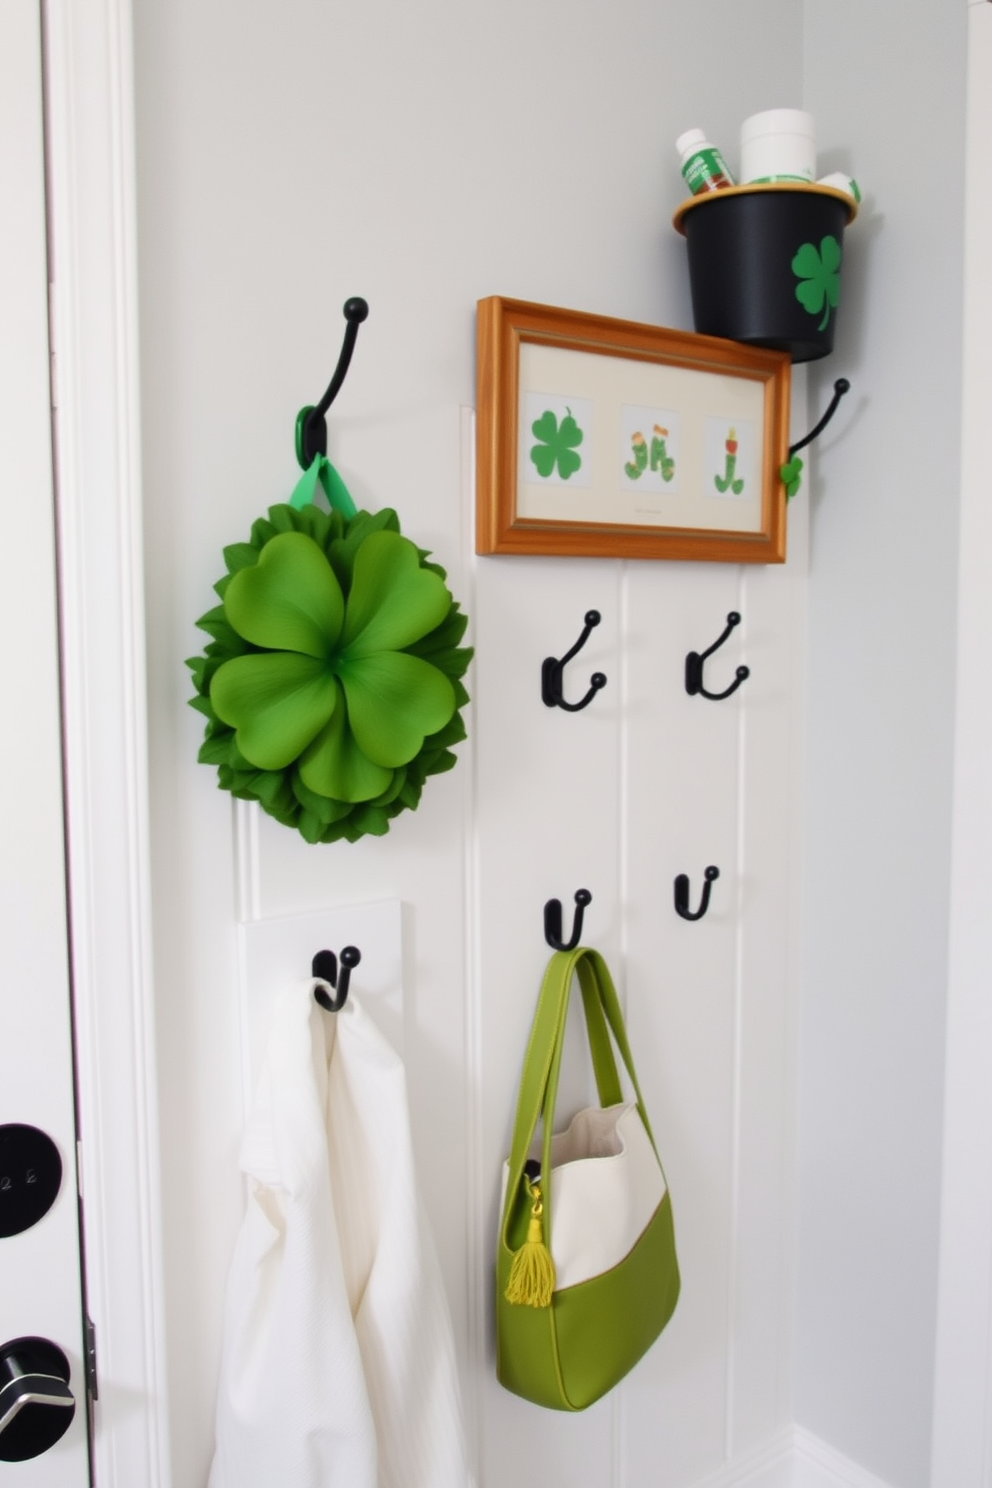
(703, 167)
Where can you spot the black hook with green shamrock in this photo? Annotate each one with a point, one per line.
(791, 472)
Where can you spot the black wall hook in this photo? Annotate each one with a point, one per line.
(682, 894)
(841, 386)
(552, 921)
(552, 669)
(694, 666)
(313, 430)
(325, 966)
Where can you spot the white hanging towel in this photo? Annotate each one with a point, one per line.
(338, 1367)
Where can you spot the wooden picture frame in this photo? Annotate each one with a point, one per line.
(604, 438)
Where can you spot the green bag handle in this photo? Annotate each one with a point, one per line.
(542, 1065)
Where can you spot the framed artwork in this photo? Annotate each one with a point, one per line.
(608, 439)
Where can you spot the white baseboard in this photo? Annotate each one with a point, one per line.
(768, 1466)
(792, 1458)
(820, 1466)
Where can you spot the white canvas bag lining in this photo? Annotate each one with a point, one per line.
(606, 1183)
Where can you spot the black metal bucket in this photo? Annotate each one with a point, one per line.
(764, 264)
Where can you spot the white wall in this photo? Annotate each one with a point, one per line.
(887, 85)
(961, 1446)
(424, 156)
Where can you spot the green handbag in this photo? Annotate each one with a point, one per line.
(586, 1271)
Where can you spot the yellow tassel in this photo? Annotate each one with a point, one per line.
(532, 1274)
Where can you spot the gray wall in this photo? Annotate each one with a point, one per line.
(886, 84)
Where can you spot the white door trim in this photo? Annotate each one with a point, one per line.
(92, 246)
(962, 1449)
(91, 141)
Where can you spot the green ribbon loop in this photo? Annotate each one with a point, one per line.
(320, 469)
(337, 493)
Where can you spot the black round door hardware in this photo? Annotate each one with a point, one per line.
(710, 876)
(552, 921)
(30, 1177)
(36, 1404)
(325, 966)
(694, 666)
(552, 694)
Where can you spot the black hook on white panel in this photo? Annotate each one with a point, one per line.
(325, 967)
(552, 669)
(553, 926)
(710, 876)
(694, 666)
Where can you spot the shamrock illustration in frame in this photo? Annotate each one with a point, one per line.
(606, 438)
(557, 439)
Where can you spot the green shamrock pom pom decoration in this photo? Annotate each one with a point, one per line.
(331, 684)
(790, 475)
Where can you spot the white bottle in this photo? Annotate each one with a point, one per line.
(778, 145)
(703, 167)
(840, 182)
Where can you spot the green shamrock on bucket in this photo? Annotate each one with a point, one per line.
(331, 686)
(558, 444)
(820, 278)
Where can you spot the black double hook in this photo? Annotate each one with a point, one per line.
(694, 666)
(552, 921)
(325, 966)
(552, 668)
(841, 386)
(313, 425)
(710, 876)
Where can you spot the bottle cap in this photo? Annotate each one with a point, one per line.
(692, 139)
(779, 121)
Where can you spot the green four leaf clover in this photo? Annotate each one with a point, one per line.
(558, 445)
(296, 693)
(819, 276)
(335, 686)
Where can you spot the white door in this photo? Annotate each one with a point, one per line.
(40, 1274)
